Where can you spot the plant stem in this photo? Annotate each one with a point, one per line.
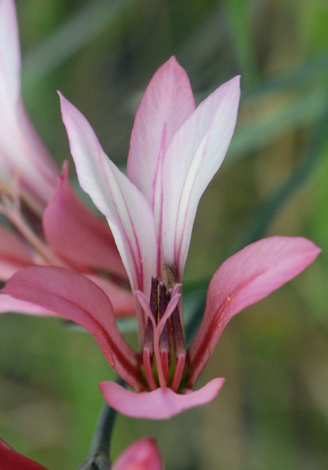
(98, 458)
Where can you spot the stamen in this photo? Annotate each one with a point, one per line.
(178, 372)
(180, 348)
(148, 346)
(146, 357)
(162, 305)
(164, 346)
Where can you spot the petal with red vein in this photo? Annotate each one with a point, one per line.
(126, 209)
(193, 157)
(243, 279)
(167, 103)
(75, 297)
(161, 403)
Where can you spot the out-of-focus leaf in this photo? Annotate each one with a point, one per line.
(239, 16)
(264, 128)
(271, 206)
(70, 37)
(308, 72)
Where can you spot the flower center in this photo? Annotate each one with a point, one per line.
(164, 340)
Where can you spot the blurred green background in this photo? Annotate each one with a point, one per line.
(272, 412)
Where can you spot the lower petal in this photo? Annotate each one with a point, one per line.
(161, 403)
(9, 304)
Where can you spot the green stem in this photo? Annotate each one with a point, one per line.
(98, 458)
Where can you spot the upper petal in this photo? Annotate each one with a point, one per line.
(126, 209)
(243, 279)
(75, 297)
(78, 234)
(167, 103)
(141, 455)
(12, 460)
(161, 403)
(193, 157)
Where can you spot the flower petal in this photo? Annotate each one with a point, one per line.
(161, 403)
(10, 459)
(243, 279)
(141, 455)
(13, 253)
(193, 157)
(75, 297)
(9, 304)
(20, 147)
(126, 209)
(167, 103)
(122, 300)
(77, 234)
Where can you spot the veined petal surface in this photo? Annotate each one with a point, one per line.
(193, 157)
(161, 403)
(73, 296)
(126, 209)
(243, 279)
(167, 103)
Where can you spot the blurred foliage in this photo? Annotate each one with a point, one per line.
(273, 410)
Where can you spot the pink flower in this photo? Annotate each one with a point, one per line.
(31, 187)
(21, 150)
(141, 455)
(175, 151)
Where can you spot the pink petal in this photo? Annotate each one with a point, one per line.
(12, 460)
(75, 297)
(9, 304)
(126, 209)
(161, 403)
(122, 300)
(193, 157)
(167, 103)
(20, 147)
(77, 234)
(243, 279)
(141, 455)
(14, 254)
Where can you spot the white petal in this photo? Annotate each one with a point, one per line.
(194, 156)
(126, 209)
